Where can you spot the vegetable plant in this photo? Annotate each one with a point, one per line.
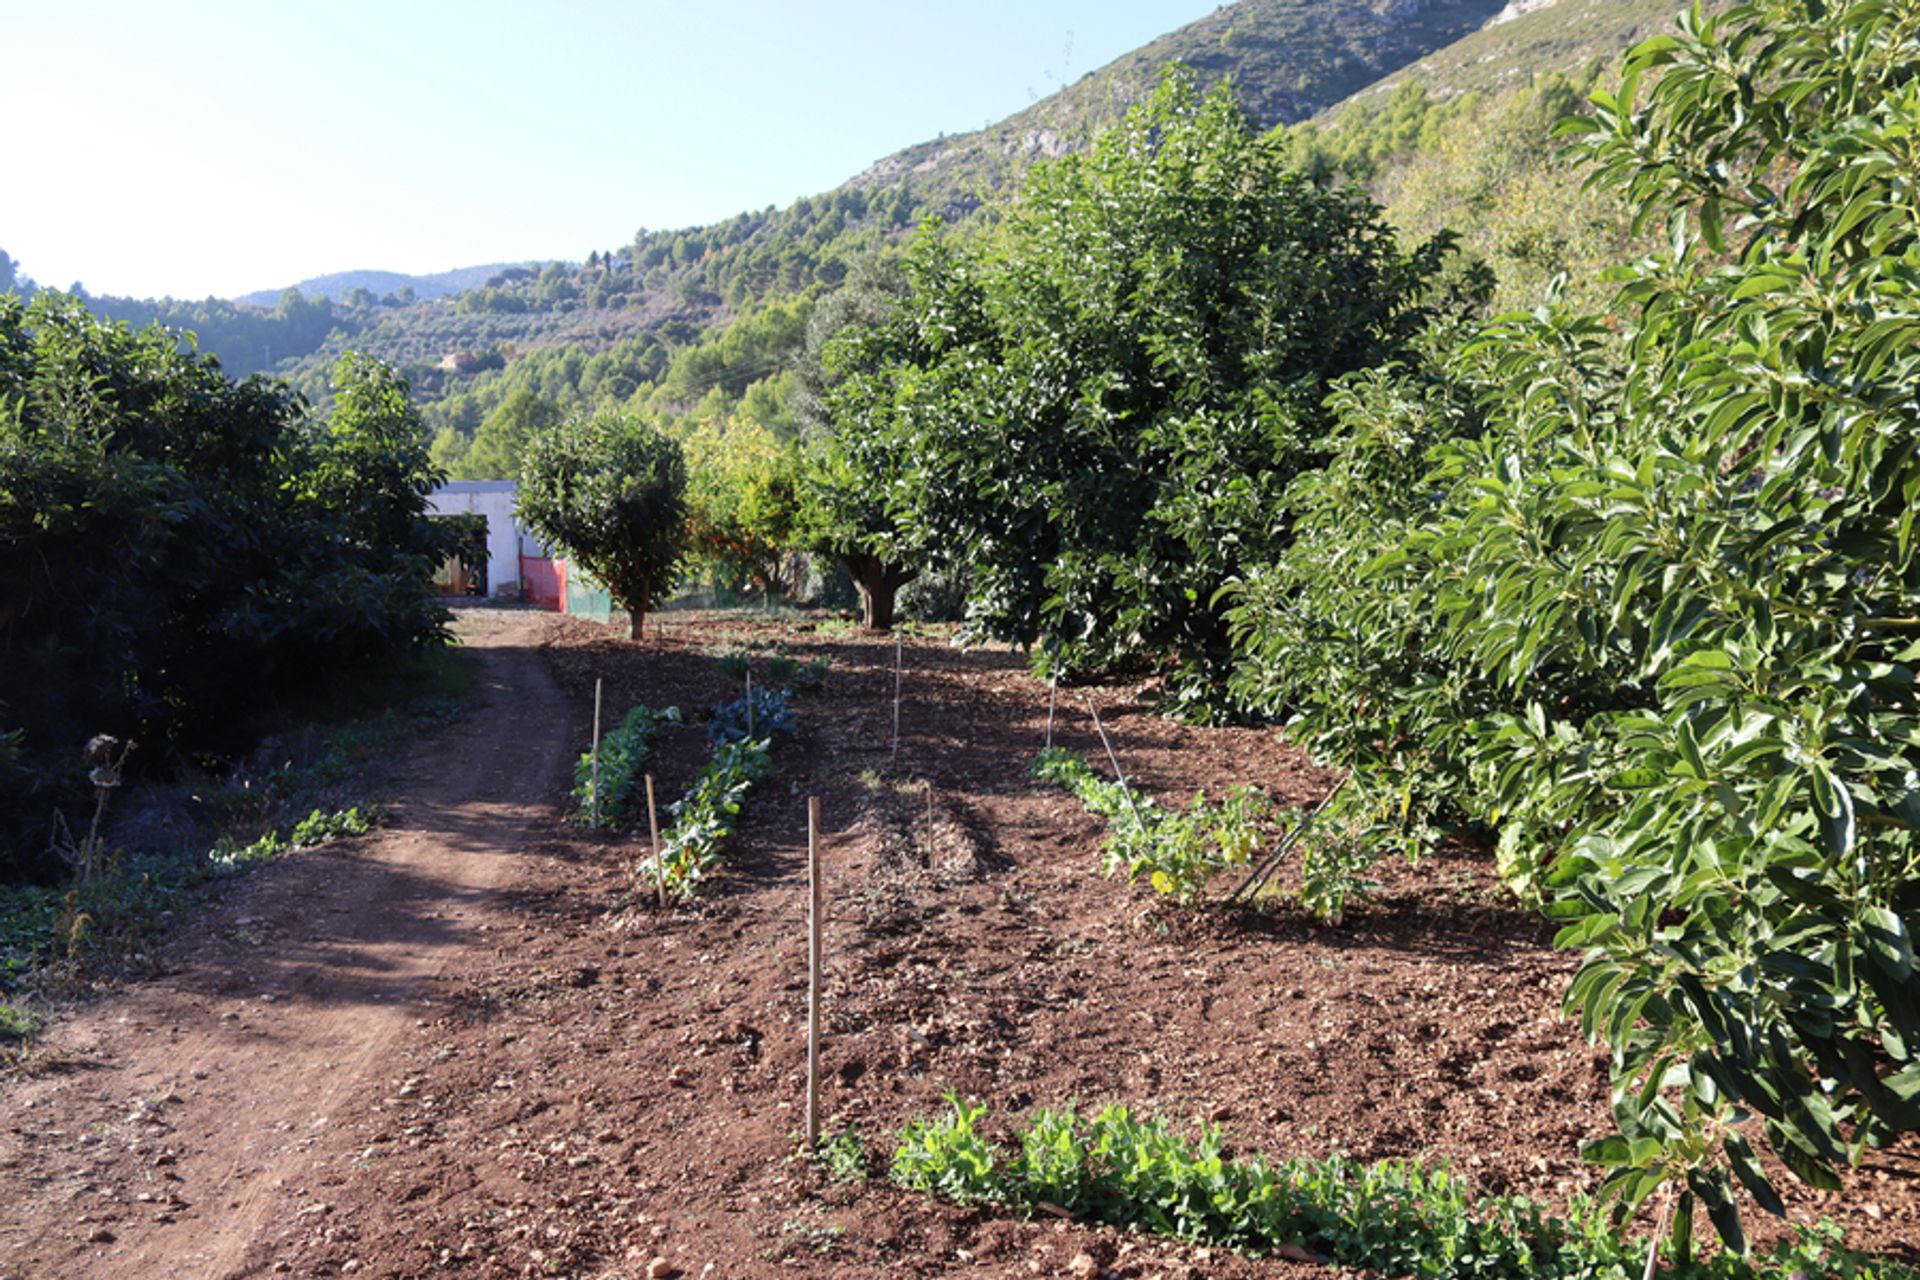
(701, 820)
(622, 752)
(1177, 851)
(1393, 1217)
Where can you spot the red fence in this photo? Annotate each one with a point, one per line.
(544, 582)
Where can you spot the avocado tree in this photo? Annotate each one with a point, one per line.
(611, 492)
(1646, 607)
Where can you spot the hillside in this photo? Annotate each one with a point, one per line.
(1289, 59)
(462, 336)
(425, 288)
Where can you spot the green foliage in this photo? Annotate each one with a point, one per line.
(1645, 605)
(946, 1156)
(178, 550)
(701, 820)
(320, 827)
(317, 828)
(17, 1023)
(611, 492)
(1177, 851)
(1097, 406)
(743, 505)
(622, 752)
(844, 1156)
(1396, 1217)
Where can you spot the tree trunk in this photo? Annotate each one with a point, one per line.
(637, 611)
(878, 583)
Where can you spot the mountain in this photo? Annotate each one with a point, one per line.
(1288, 59)
(1527, 39)
(645, 325)
(384, 283)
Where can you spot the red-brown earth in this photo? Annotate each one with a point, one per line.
(470, 1045)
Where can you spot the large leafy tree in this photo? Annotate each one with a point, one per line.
(1648, 606)
(177, 549)
(611, 491)
(860, 340)
(1098, 406)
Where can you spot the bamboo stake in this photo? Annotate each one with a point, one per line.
(596, 751)
(897, 670)
(1113, 759)
(653, 826)
(1653, 1245)
(814, 926)
(1053, 695)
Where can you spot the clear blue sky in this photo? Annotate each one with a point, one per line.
(214, 147)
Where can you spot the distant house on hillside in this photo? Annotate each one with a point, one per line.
(507, 542)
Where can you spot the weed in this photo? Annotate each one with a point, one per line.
(319, 827)
(17, 1024)
(821, 1239)
(844, 1156)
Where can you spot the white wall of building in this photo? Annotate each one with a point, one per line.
(493, 499)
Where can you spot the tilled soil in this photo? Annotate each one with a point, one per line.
(477, 1047)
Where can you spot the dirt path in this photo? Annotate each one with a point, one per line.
(200, 1116)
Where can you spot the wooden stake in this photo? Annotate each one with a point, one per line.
(897, 669)
(814, 976)
(1053, 696)
(653, 826)
(596, 751)
(749, 704)
(1125, 790)
(1653, 1246)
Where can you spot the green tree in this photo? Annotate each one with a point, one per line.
(1646, 605)
(502, 436)
(1098, 406)
(851, 460)
(611, 492)
(742, 505)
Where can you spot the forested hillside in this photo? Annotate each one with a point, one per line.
(1440, 115)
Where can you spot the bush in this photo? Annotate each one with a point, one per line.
(178, 550)
(1644, 604)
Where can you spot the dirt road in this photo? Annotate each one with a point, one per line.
(199, 1116)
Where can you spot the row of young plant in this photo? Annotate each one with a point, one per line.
(1180, 851)
(602, 782)
(1395, 1217)
(1177, 851)
(1638, 594)
(742, 735)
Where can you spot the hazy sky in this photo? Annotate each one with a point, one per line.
(208, 147)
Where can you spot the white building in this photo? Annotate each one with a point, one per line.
(507, 541)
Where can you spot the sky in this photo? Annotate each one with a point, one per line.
(213, 148)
